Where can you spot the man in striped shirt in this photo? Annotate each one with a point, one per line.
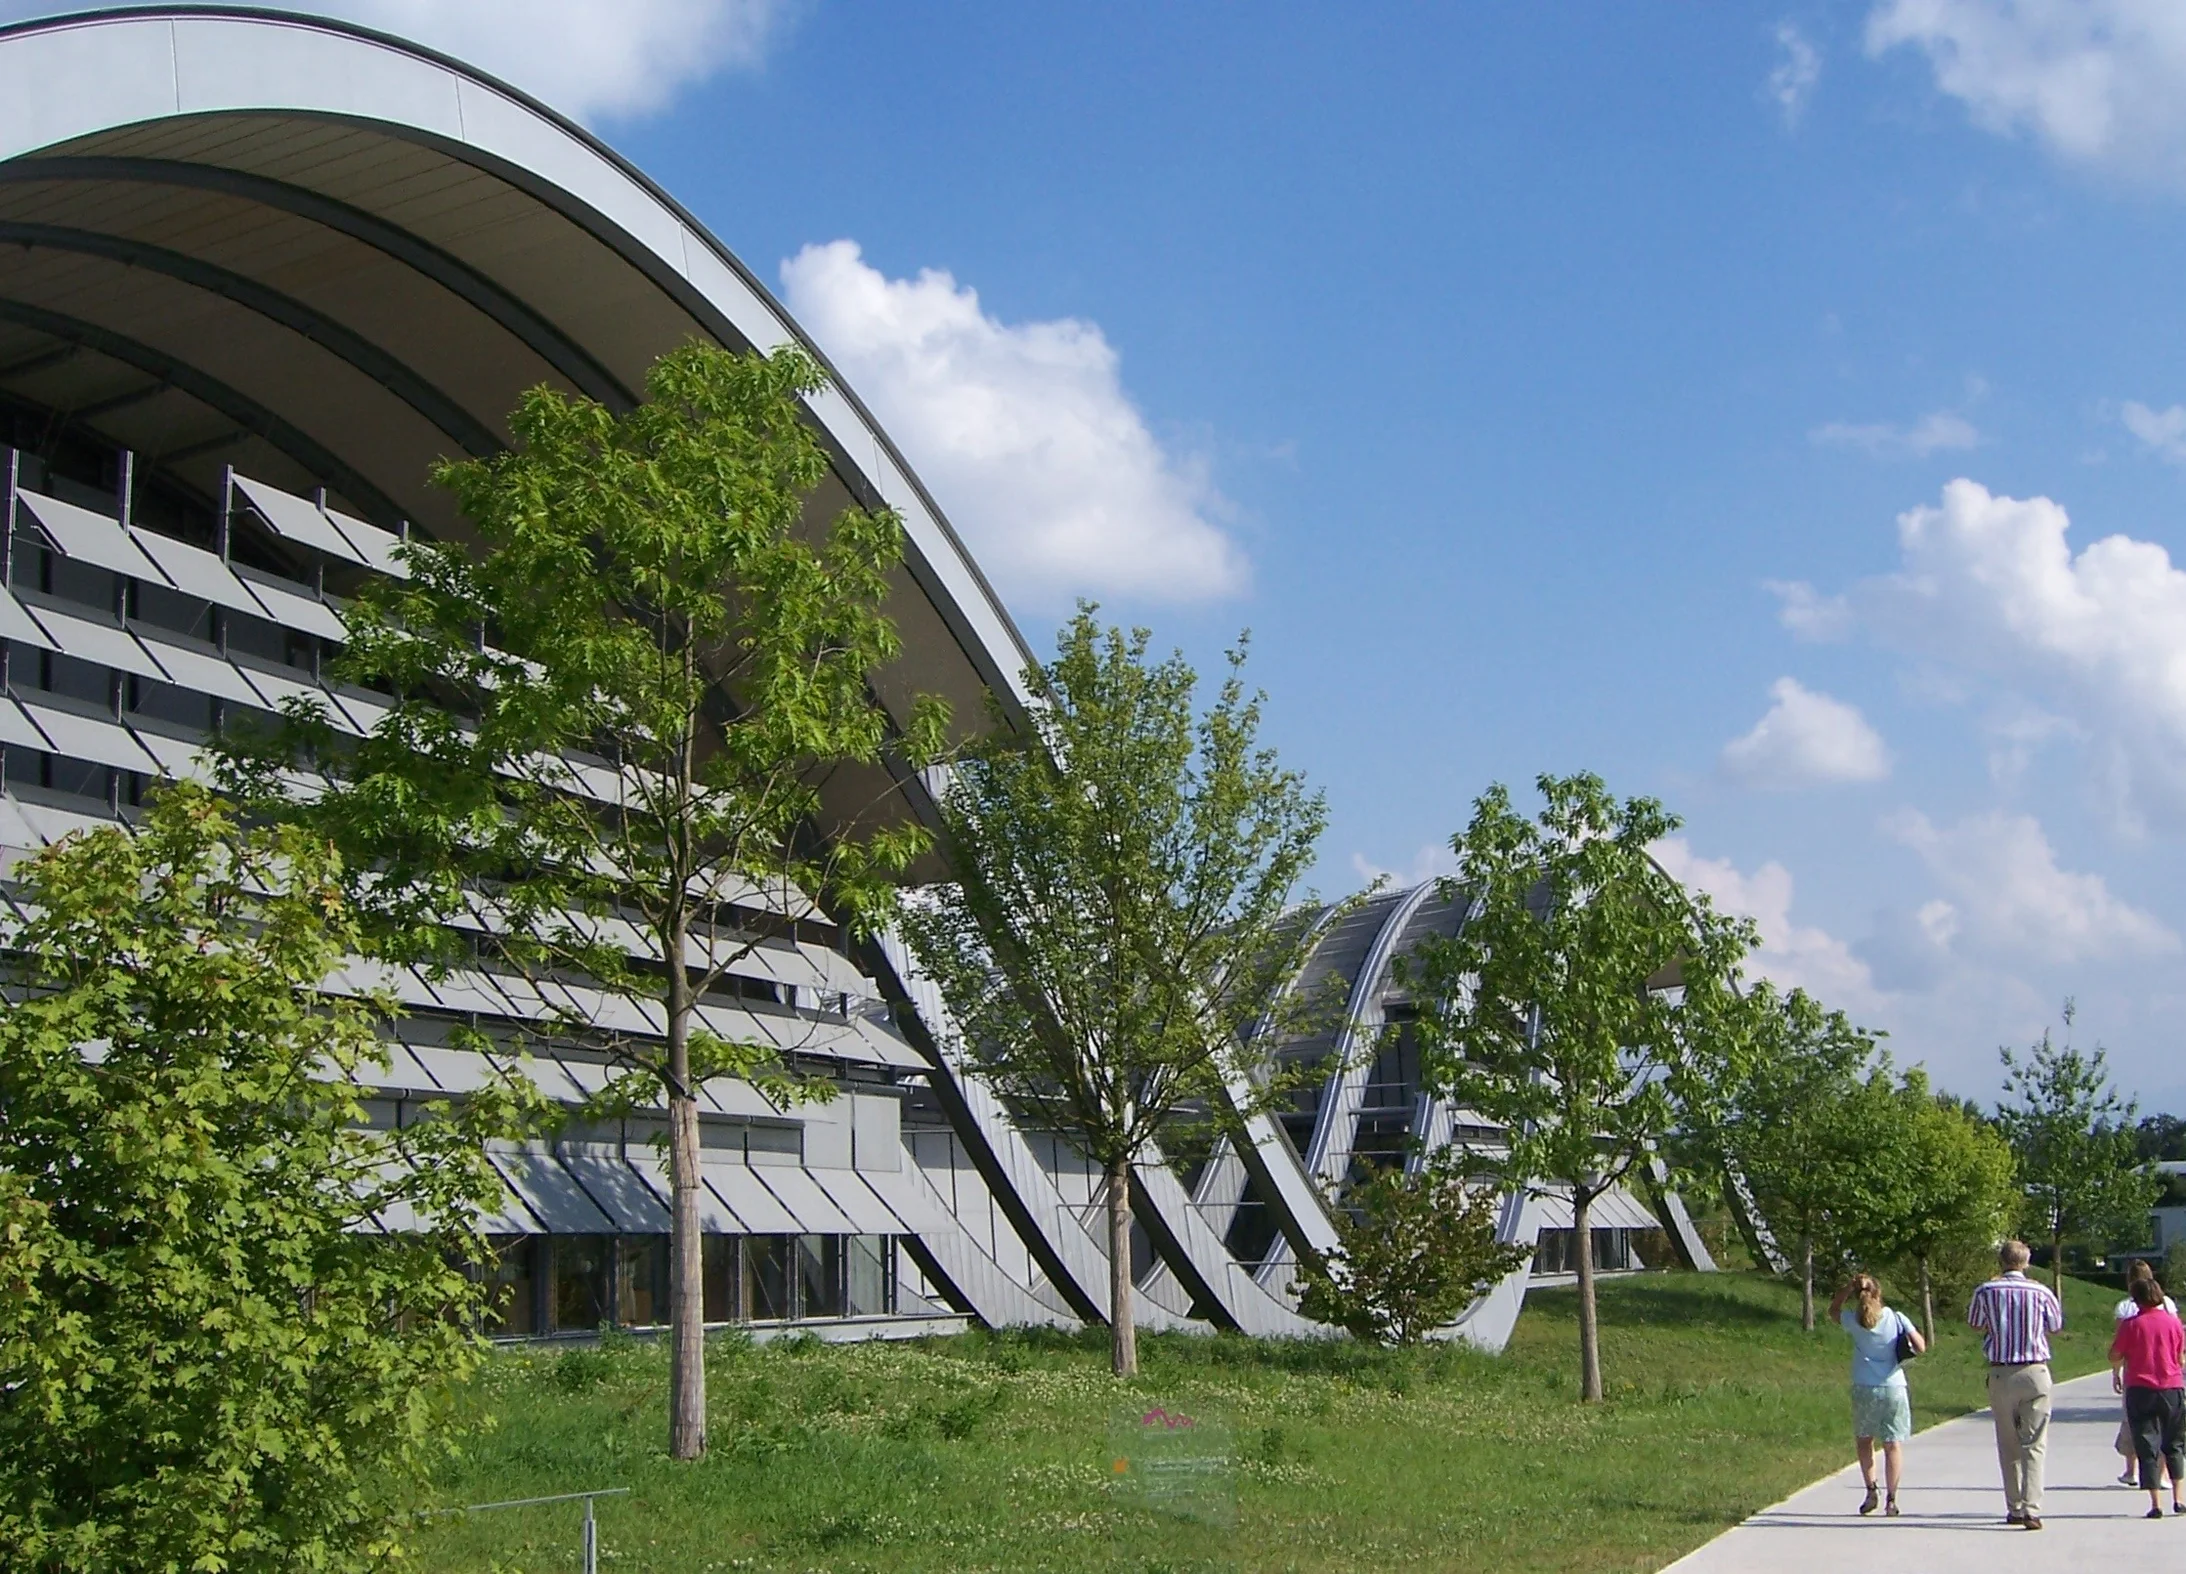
(2016, 1316)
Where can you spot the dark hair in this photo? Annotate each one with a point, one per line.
(2147, 1294)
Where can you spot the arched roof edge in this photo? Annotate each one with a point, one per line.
(1008, 662)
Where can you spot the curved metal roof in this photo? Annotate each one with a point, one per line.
(329, 257)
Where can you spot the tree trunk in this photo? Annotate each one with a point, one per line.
(1806, 1282)
(1927, 1302)
(686, 1247)
(2057, 1262)
(1590, 1334)
(1122, 1329)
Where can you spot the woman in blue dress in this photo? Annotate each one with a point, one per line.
(1882, 1407)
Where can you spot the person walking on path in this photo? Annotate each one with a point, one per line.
(2144, 1366)
(2016, 1316)
(2135, 1271)
(1882, 1406)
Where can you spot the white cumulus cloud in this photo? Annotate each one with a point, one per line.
(1990, 586)
(1809, 614)
(2101, 83)
(1936, 432)
(1791, 85)
(586, 58)
(1806, 739)
(2161, 431)
(1792, 955)
(2005, 892)
(1024, 433)
(1431, 862)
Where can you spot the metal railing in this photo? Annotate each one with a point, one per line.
(591, 1526)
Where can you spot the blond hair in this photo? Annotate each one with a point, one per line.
(1870, 1294)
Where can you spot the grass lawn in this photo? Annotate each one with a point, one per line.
(991, 1452)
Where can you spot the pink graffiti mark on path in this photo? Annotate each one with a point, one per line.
(1157, 1414)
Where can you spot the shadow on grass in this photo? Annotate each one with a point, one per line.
(1675, 1300)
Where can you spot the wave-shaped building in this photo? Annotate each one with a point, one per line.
(258, 272)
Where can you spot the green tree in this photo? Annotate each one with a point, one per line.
(614, 724)
(1413, 1251)
(2080, 1174)
(1960, 1189)
(210, 1355)
(1114, 930)
(1589, 1005)
(1801, 1131)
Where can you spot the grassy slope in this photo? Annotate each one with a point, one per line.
(990, 1453)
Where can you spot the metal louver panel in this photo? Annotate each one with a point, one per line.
(17, 623)
(207, 674)
(549, 1191)
(616, 1188)
(108, 644)
(293, 609)
(762, 1212)
(297, 519)
(86, 738)
(197, 572)
(800, 1192)
(86, 537)
(18, 729)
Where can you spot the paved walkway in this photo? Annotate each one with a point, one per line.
(1954, 1508)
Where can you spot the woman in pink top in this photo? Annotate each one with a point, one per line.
(2144, 1366)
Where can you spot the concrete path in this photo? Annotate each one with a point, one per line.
(1954, 1508)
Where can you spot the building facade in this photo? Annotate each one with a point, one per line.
(259, 272)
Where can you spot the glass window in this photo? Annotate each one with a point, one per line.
(79, 583)
(512, 1306)
(580, 1282)
(69, 676)
(171, 610)
(164, 702)
(767, 1276)
(77, 779)
(868, 1275)
(819, 1276)
(722, 1303)
(641, 1280)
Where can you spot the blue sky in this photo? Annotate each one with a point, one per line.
(1662, 391)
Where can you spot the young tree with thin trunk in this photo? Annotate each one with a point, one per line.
(613, 727)
(1588, 1005)
(2080, 1174)
(1114, 930)
(1961, 1186)
(1799, 1132)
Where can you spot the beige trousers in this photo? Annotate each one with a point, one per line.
(2019, 1397)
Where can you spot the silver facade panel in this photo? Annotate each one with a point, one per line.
(17, 624)
(107, 644)
(867, 1212)
(801, 1193)
(740, 1189)
(615, 1186)
(197, 572)
(86, 537)
(85, 738)
(208, 674)
(293, 609)
(551, 1194)
(714, 1215)
(185, 761)
(372, 546)
(18, 729)
(297, 520)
